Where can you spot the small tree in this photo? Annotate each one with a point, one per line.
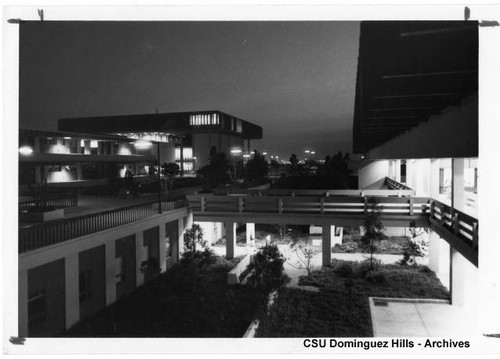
(266, 269)
(416, 246)
(374, 228)
(193, 239)
(304, 254)
(256, 167)
(282, 230)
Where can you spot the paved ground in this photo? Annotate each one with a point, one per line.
(410, 318)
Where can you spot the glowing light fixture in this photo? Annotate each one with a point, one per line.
(82, 143)
(236, 151)
(264, 153)
(307, 151)
(93, 144)
(142, 144)
(246, 155)
(67, 138)
(313, 152)
(25, 150)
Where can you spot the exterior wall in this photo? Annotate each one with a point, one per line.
(439, 258)
(436, 137)
(464, 282)
(373, 174)
(92, 280)
(45, 299)
(152, 251)
(125, 264)
(96, 253)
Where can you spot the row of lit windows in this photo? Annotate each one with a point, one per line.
(187, 153)
(204, 119)
(148, 136)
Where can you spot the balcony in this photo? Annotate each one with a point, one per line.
(61, 230)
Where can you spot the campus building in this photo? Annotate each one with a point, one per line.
(78, 255)
(79, 160)
(76, 258)
(184, 137)
(416, 127)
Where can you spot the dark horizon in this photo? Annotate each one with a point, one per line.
(296, 79)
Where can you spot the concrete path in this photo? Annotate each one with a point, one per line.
(420, 318)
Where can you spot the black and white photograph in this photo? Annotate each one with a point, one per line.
(249, 179)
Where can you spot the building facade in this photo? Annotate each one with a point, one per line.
(416, 124)
(184, 137)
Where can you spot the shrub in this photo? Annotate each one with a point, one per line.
(375, 277)
(344, 270)
(266, 270)
(198, 258)
(193, 240)
(367, 266)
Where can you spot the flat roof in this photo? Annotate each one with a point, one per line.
(175, 123)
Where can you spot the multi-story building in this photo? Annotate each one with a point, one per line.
(184, 137)
(416, 125)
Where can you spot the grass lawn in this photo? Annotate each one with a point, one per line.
(183, 302)
(341, 308)
(390, 245)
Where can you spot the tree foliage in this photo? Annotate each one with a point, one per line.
(374, 228)
(266, 269)
(256, 167)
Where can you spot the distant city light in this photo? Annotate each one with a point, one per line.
(236, 151)
(67, 138)
(246, 156)
(141, 144)
(25, 150)
(264, 153)
(313, 152)
(307, 151)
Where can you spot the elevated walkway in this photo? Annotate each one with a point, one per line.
(457, 228)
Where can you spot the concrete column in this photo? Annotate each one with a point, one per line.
(327, 246)
(398, 171)
(250, 232)
(439, 258)
(22, 299)
(458, 192)
(38, 174)
(189, 220)
(36, 146)
(179, 243)
(230, 238)
(71, 275)
(464, 282)
(434, 178)
(163, 253)
(79, 172)
(110, 253)
(86, 147)
(140, 256)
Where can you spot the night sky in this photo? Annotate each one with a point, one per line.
(295, 79)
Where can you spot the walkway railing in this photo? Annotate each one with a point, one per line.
(457, 222)
(320, 192)
(310, 205)
(57, 231)
(395, 185)
(57, 200)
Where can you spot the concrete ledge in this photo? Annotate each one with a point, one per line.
(233, 276)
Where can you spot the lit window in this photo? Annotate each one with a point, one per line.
(93, 144)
